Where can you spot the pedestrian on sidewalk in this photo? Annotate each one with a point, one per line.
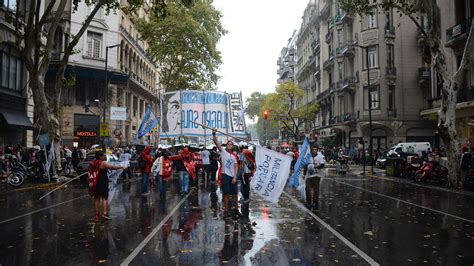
(229, 164)
(145, 163)
(101, 190)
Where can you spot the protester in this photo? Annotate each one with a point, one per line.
(145, 165)
(214, 164)
(206, 165)
(162, 170)
(229, 175)
(248, 167)
(312, 179)
(75, 158)
(101, 191)
(125, 157)
(186, 167)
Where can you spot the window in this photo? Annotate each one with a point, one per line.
(389, 19)
(339, 37)
(372, 51)
(374, 98)
(372, 20)
(390, 56)
(340, 70)
(11, 69)
(94, 44)
(391, 97)
(373, 95)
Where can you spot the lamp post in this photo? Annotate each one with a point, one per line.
(370, 109)
(106, 90)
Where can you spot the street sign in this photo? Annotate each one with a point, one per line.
(104, 129)
(118, 113)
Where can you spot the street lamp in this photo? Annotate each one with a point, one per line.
(106, 89)
(370, 109)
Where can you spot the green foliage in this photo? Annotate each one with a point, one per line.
(255, 102)
(184, 44)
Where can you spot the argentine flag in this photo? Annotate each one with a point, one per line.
(148, 123)
(303, 160)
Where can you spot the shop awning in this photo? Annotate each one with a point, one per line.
(15, 118)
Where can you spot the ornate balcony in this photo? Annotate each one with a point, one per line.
(391, 72)
(328, 36)
(389, 31)
(391, 112)
(457, 33)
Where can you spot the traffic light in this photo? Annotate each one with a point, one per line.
(265, 114)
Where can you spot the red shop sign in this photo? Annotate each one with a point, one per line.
(86, 134)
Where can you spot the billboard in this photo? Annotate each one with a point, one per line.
(181, 109)
(118, 113)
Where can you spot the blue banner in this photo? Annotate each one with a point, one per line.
(303, 160)
(148, 123)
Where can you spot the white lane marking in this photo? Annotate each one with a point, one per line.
(147, 239)
(51, 206)
(406, 202)
(42, 209)
(361, 253)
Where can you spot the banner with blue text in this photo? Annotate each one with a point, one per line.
(180, 110)
(273, 169)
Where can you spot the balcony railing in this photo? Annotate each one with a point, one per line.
(328, 63)
(316, 45)
(135, 42)
(457, 32)
(349, 82)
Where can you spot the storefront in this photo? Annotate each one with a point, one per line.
(86, 130)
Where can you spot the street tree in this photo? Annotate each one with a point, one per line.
(283, 107)
(34, 36)
(184, 44)
(254, 103)
(435, 55)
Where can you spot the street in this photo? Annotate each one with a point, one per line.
(361, 221)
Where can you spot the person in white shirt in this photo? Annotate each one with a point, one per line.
(229, 166)
(125, 157)
(206, 164)
(313, 178)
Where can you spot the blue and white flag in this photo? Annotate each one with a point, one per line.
(113, 178)
(273, 169)
(148, 123)
(303, 160)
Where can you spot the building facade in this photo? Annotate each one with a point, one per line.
(16, 105)
(286, 61)
(336, 49)
(130, 83)
(455, 26)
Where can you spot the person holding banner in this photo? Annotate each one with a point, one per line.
(228, 175)
(101, 190)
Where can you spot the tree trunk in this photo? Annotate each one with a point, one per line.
(47, 118)
(447, 127)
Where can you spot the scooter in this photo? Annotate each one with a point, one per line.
(431, 171)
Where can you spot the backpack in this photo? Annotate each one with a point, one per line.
(93, 176)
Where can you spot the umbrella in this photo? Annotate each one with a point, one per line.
(95, 146)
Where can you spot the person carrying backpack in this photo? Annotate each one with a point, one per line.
(99, 184)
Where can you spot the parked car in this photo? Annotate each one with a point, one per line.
(83, 166)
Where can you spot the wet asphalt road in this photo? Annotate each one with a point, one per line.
(367, 219)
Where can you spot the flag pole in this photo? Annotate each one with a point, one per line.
(62, 185)
(223, 133)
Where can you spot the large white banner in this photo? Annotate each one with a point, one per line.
(273, 169)
(181, 109)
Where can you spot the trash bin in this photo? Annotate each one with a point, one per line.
(394, 166)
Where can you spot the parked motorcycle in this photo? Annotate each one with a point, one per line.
(409, 166)
(431, 171)
(15, 178)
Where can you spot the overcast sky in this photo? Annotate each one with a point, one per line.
(258, 30)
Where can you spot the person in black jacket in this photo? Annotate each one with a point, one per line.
(214, 165)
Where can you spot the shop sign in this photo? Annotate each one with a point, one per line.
(118, 113)
(86, 134)
(104, 129)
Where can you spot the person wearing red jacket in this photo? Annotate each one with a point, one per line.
(145, 156)
(186, 167)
